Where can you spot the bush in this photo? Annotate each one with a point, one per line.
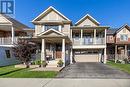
(33, 63)
(118, 61)
(60, 63)
(38, 62)
(126, 61)
(44, 64)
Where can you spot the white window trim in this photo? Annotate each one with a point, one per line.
(43, 28)
(60, 28)
(123, 40)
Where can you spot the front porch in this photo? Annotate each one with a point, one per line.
(53, 46)
(118, 52)
(55, 49)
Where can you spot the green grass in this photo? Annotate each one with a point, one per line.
(123, 67)
(11, 72)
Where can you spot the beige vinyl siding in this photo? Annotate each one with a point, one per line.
(66, 29)
(38, 29)
(4, 20)
(52, 16)
(87, 22)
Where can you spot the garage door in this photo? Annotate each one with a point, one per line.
(87, 58)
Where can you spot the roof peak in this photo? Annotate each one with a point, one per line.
(51, 8)
(87, 15)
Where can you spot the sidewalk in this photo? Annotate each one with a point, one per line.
(7, 82)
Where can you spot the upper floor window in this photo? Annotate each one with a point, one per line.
(56, 27)
(124, 37)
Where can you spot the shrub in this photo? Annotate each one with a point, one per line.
(33, 63)
(118, 61)
(38, 62)
(126, 61)
(44, 64)
(60, 63)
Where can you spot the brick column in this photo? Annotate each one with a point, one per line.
(116, 53)
(126, 51)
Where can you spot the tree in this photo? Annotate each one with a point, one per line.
(23, 51)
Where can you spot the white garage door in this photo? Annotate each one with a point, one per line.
(87, 58)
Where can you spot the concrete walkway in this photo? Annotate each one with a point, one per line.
(92, 71)
(64, 82)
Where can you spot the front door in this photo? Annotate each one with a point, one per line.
(58, 51)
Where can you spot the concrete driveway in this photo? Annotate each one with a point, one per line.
(92, 70)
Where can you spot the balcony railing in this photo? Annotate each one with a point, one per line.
(88, 41)
(7, 40)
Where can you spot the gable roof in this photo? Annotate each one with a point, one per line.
(112, 31)
(87, 16)
(14, 22)
(47, 11)
(116, 30)
(124, 26)
(51, 30)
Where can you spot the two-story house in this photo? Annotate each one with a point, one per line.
(10, 31)
(118, 43)
(59, 39)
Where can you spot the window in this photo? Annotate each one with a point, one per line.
(8, 53)
(47, 27)
(124, 37)
(77, 36)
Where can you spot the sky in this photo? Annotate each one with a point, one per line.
(113, 13)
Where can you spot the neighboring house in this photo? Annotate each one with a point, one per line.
(118, 43)
(10, 31)
(58, 39)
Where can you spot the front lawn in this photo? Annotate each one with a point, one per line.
(123, 67)
(11, 72)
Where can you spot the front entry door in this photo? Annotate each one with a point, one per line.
(58, 51)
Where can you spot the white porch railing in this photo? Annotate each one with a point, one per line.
(88, 41)
(8, 40)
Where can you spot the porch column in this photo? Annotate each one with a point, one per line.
(12, 34)
(71, 56)
(126, 51)
(105, 57)
(115, 53)
(63, 51)
(94, 36)
(43, 57)
(81, 41)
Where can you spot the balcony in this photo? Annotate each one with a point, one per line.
(88, 41)
(7, 40)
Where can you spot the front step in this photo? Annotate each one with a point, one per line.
(52, 63)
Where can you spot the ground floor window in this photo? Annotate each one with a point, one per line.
(8, 55)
